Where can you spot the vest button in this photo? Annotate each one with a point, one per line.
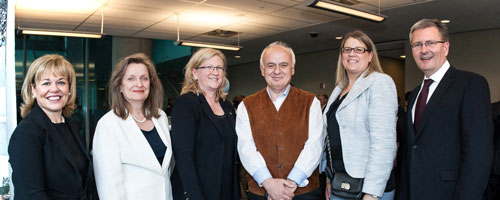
(281, 164)
(414, 146)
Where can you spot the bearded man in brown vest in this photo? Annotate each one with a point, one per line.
(280, 133)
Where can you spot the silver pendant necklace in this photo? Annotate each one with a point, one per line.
(140, 121)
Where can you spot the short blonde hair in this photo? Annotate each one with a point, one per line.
(373, 65)
(190, 84)
(153, 102)
(48, 63)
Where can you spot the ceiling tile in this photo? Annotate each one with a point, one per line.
(132, 14)
(319, 11)
(156, 35)
(302, 15)
(252, 28)
(255, 6)
(279, 22)
(120, 22)
(284, 2)
(152, 5)
(49, 16)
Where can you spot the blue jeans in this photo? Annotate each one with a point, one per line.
(385, 196)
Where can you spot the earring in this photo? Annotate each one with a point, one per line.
(69, 93)
(195, 78)
(33, 96)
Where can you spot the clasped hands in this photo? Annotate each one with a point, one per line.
(279, 189)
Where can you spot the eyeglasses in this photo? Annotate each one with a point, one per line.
(212, 68)
(428, 43)
(358, 50)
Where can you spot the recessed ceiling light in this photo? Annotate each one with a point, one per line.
(237, 56)
(402, 56)
(338, 37)
(445, 21)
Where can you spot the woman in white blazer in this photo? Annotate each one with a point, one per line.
(360, 118)
(132, 150)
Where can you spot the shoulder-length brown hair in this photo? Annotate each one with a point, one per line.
(190, 84)
(51, 63)
(373, 66)
(153, 102)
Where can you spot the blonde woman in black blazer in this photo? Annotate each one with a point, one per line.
(47, 154)
(203, 134)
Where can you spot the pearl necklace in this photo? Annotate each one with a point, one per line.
(140, 121)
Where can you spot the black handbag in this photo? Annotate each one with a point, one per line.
(343, 185)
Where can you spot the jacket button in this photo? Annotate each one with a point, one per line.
(185, 192)
(414, 146)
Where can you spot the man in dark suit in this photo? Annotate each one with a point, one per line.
(447, 151)
(493, 190)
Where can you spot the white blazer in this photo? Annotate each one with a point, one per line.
(124, 163)
(367, 123)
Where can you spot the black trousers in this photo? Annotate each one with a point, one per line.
(493, 189)
(312, 195)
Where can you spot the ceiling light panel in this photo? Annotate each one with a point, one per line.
(47, 25)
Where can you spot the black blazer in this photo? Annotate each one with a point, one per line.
(496, 136)
(198, 149)
(451, 155)
(42, 165)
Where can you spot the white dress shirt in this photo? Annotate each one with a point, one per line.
(436, 78)
(308, 159)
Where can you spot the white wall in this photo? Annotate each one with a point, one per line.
(477, 51)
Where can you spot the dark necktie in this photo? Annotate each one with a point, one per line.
(421, 102)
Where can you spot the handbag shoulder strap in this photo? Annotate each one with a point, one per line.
(329, 152)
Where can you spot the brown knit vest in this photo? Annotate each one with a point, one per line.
(280, 135)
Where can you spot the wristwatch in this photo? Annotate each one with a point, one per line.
(293, 181)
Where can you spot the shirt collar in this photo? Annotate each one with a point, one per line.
(283, 95)
(436, 77)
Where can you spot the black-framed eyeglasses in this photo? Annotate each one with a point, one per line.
(358, 50)
(212, 68)
(428, 43)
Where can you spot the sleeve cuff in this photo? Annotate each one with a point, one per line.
(261, 175)
(298, 176)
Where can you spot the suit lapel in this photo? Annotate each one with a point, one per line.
(210, 114)
(166, 140)
(141, 146)
(409, 115)
(436, 97)
(53, 134)
(359, 87)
